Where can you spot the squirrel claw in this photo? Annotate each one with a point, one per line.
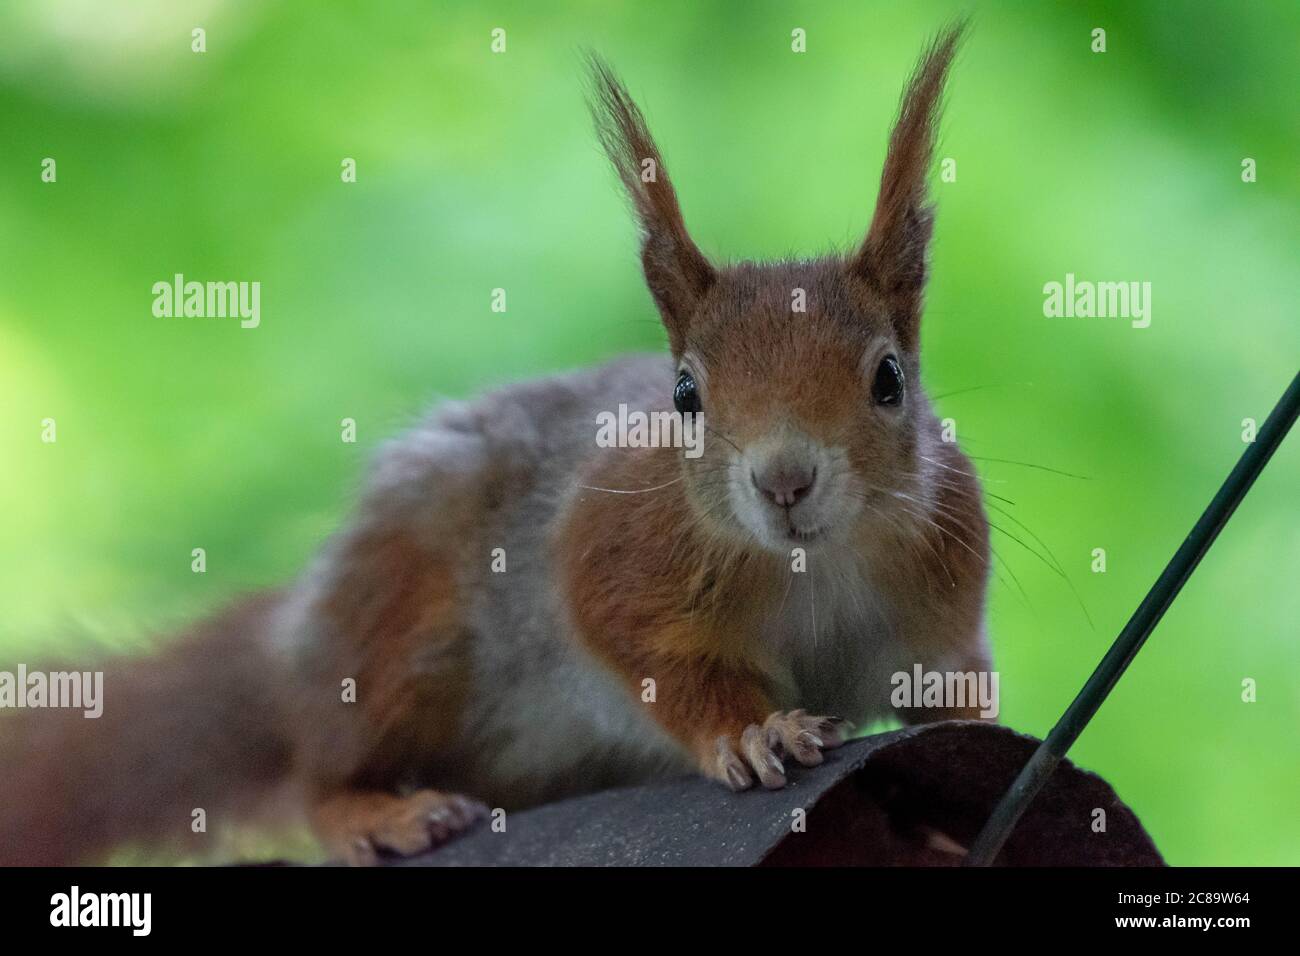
(728, 767)
(804, 736)
(368, 827)
(758, 751)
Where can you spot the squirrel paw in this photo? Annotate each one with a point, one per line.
(365, 827)
(759, 749)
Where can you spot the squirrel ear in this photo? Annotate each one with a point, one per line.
(675, 269)
(893, 256)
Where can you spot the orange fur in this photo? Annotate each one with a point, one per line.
(201, 725)
(397, 608)
(655, 597)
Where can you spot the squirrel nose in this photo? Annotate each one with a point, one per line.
(786, 485)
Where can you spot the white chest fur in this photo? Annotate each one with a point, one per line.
(834, 633)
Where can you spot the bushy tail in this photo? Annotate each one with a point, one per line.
(199, 725)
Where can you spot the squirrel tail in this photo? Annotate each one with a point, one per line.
(197, 726)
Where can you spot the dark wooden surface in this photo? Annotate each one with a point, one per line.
(910, 797)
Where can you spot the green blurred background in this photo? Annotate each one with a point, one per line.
(478, 171)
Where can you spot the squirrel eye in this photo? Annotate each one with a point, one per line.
(686, 396)
(887, 388)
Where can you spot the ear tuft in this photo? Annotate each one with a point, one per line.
(676, 271)
(893, 257)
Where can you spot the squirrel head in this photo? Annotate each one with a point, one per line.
(805, 373)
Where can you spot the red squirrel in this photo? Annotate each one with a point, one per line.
(515, 613)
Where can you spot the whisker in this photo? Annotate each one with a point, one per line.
(1028, 464)
(1058, 570)
(940, 528)
(640, 491)
(710, 428)
(1020, 587)
(788, 584)
(1028, 530)
(956, 471)
(812, 595)
(979, 388)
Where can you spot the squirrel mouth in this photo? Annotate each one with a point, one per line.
(802, 534)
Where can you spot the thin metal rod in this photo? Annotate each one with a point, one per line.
(1049, 753)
